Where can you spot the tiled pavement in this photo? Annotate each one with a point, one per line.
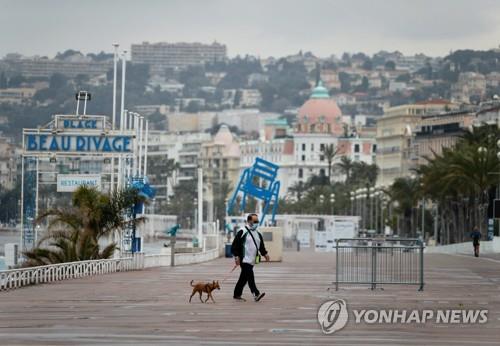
(151, 306)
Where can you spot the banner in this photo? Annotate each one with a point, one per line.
(70, 182)
(95, 143)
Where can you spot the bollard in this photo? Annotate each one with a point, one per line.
(172, 251)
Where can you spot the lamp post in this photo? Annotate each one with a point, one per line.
(364, 195)
(332, 201)
(321, 201)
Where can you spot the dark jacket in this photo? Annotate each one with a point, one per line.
(476, 235)
(238, 246)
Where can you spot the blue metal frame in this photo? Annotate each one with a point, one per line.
(258, 181)
(29, 203)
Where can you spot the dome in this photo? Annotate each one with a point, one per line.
(320, 92)
(320, 114)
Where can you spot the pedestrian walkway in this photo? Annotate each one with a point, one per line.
(151, 306)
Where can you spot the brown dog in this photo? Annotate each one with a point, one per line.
(201, 287)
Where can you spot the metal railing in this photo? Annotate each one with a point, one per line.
(373, 261)
(16, 278)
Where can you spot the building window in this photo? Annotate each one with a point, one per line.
(356, 148)
(312, 146)
(322, 172)
(303, 146)
(374, 148)
(301, 173)
(313, 127)
(303, 157)
(322, 157)
(322, 146)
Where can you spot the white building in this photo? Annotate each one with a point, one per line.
(299, 153)
(184, 149)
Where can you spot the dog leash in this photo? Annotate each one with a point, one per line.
(227, 275)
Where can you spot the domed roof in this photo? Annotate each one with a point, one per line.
(321, 112)
(320, 92)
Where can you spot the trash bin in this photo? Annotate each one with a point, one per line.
(228, 250)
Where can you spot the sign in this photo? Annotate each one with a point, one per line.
(54, 143)
(326, 240)
(491, 229)
(344, 229)
(304, 237)
(92, 122)
(320, 241)
(70, 182)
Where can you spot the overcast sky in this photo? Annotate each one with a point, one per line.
(256, 27)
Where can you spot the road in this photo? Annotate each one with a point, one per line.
(150, 307)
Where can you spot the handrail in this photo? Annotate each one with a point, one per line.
(16, 278)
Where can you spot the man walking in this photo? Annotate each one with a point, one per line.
(247, 247)
(476, 235)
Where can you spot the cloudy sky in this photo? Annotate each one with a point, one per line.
(257, 27)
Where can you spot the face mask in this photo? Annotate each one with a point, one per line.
(253, 226)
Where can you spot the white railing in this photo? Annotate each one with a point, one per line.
(16, 278)
(163, 260)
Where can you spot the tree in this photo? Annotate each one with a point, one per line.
(3, 81)
(346, 165)
(75, 232)
(367, 65)
(57, 81)
(16, 81)
(193, 107)
(406, 191)
(298, 190)
(345, 82)
(460, 178)
(390, 65)
(67, 54)
(405, 77)
(364, 84)
(183, 202)
(330, 152)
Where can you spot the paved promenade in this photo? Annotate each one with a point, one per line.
(150, 307)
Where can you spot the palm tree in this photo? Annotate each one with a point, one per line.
(298, 189)
(346, 165)
(330, 152)
(363, 174)
(406, 191)
(75, 232)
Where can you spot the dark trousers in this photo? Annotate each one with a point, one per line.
(246, 275)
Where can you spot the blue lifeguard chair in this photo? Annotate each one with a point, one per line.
(258, 181)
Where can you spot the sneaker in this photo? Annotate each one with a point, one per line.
(259, 297)
(239, 298)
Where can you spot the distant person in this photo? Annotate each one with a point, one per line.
(247, 247)
(476, 236)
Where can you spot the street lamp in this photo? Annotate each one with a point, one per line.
(332, 200)
(321, 201)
